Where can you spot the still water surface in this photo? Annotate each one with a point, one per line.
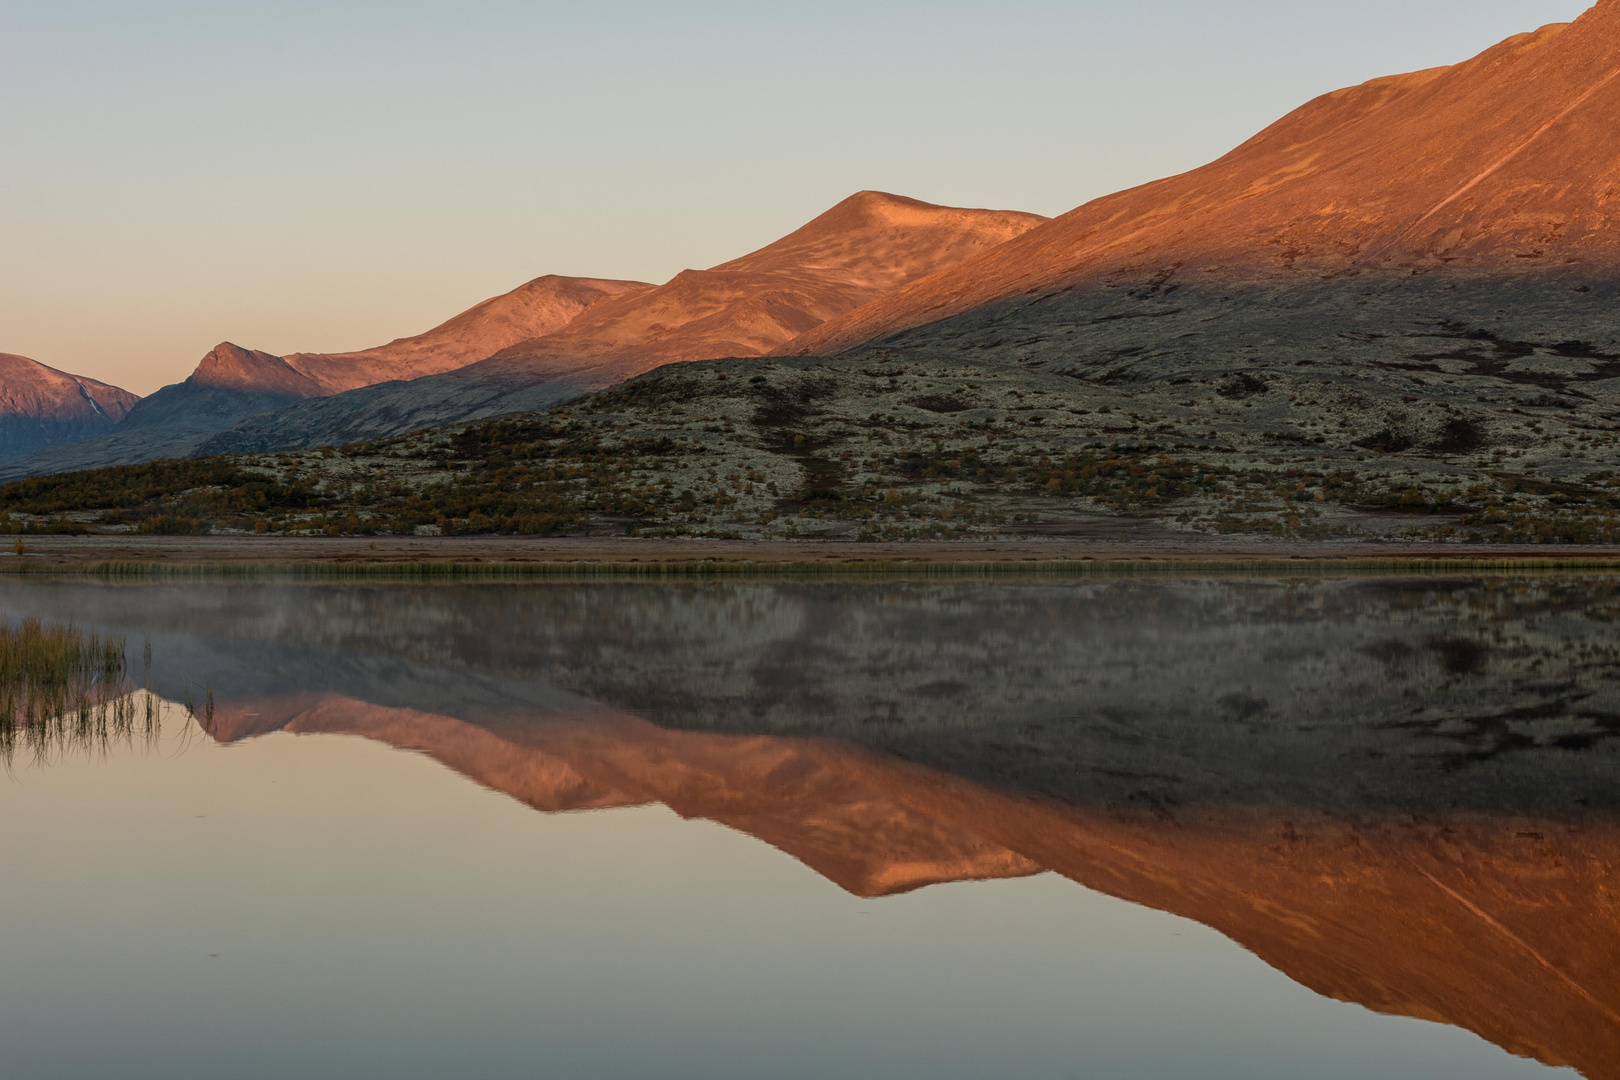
(1095, 829)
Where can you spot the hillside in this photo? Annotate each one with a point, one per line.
(534, 309)
(1437, 247)
(1396, 312)
(866, 246)
(231, 383)
(42, 407)
(1502, 167)
(882, 445)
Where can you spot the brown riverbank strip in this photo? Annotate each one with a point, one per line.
(122, 555)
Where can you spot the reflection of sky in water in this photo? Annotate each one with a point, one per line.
(1398, 793)
(330, 907)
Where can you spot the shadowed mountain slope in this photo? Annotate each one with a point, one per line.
(231, 383)
(41, 406)
(862, 248)
(1507, 164)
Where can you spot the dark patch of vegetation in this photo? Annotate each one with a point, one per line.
(1460, 435)
(1460, 656)
(167, 497)
(527, 476)
(1242, 385)
(724, 447)
(56, 526)
(510, 476)
(170, 525)
(1388, 441)
(1488, 354)
(939, 403)
(1122, 481)
(790, 405)
(1296, 438)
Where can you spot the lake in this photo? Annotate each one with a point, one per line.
(1099, 828)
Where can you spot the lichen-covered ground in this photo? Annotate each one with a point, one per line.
(889, 445)
(884, 446)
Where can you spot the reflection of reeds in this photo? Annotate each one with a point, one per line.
(61, 688)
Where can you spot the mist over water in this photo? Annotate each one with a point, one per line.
(1104, 827)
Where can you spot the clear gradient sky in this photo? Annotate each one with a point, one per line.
(322, 176)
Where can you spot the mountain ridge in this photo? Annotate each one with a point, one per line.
(42, 406)
(232, 383)
(866, 244)
(540, 306)
(1455, 229)
(1330, 190)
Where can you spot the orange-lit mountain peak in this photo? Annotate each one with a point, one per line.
(1503, 164)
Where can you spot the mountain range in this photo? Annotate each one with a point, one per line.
(1503, 168)
(1431, 246)
(551, 339)
(863, 248)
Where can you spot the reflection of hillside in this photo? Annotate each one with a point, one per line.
(1366, 696)
(793, 794)
(1506, 925)
(1400, 793)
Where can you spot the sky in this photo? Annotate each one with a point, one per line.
(330, 176)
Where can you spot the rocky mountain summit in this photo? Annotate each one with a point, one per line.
(42, 407)
(536, 308)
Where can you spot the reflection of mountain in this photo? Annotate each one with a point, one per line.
(1507, 926)
(790, 793)
(1418, 696)
(1399, 792)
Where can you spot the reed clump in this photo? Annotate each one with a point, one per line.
(62, 688)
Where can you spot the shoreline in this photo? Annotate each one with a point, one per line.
(517, 557)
